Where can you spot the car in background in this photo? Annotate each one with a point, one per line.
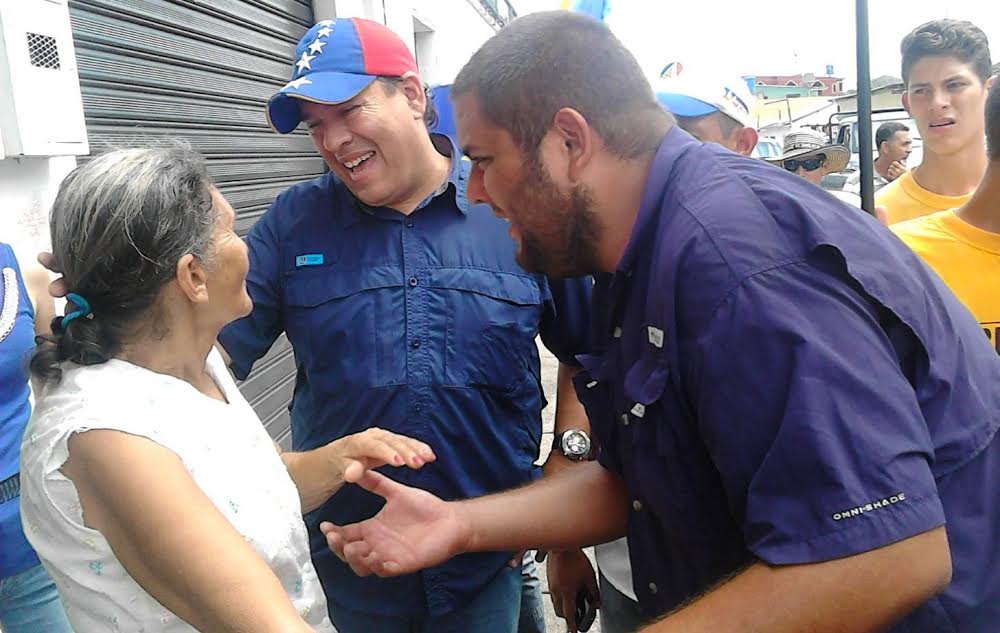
(767, 147)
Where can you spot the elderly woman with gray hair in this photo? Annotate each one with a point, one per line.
(150, 489)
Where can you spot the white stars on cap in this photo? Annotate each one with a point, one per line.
(297, 83)
(317, 46)
(303, 62)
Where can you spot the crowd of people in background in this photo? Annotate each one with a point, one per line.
(769, 405)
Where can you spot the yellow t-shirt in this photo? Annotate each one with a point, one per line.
(904, 199)
(966, 257)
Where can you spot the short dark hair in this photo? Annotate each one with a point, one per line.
(550, 60)
(954, 38)
(886, 131)
(392, 84)
(993, 122)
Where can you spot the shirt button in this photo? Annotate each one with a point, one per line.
(618, 332)
(637, 505)
(408, 222)
(413, 282)
(625, 419)
(415, 343)
(417, 408)
(653, 588)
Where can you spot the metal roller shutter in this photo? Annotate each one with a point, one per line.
(203, 70)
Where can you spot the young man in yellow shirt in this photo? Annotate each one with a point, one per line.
(946, 69)
(963, 245)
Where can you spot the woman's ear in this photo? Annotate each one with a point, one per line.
(192, 279)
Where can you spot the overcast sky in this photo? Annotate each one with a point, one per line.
(765, 37)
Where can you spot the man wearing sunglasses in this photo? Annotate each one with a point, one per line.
(808, 154)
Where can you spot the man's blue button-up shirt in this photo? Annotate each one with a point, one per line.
(421, 324)
(778, 377)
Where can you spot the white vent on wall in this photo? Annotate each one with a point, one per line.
(41, 111)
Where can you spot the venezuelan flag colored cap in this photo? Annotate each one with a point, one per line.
(335, 61)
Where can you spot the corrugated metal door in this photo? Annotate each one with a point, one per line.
(203, 70)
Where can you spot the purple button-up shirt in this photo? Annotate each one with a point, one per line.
(777, 377)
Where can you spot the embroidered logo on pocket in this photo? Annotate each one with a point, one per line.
(311, 259)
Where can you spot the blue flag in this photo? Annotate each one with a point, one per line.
(594, 8)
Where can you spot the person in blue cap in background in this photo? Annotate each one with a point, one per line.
(406, 309)
(710, 109)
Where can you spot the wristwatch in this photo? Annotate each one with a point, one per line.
(574, 444)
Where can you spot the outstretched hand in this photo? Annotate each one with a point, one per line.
(413, 531)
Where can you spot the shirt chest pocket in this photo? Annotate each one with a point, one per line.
(486, 326)
(673, 473)
(344, 324)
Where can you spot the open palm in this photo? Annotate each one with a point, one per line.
(413, 531)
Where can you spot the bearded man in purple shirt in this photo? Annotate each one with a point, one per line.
(797, 420)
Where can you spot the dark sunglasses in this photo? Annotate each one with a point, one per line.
(809, 164)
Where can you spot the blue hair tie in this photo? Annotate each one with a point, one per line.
(83, 309)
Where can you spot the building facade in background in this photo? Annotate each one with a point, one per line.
(800, 85)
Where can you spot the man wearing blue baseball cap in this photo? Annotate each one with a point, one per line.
(711, 110)
(406, 309)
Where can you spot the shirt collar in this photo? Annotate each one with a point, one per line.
(658, 185)
(458, 176)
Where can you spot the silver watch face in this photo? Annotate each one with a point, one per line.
(575, 444)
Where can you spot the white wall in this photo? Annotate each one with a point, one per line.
(28, 187)
(399, 17)
(457, 29)
(458, 32)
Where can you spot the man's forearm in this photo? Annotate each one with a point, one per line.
(578, 507)
(865, 593)
(570, 413)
